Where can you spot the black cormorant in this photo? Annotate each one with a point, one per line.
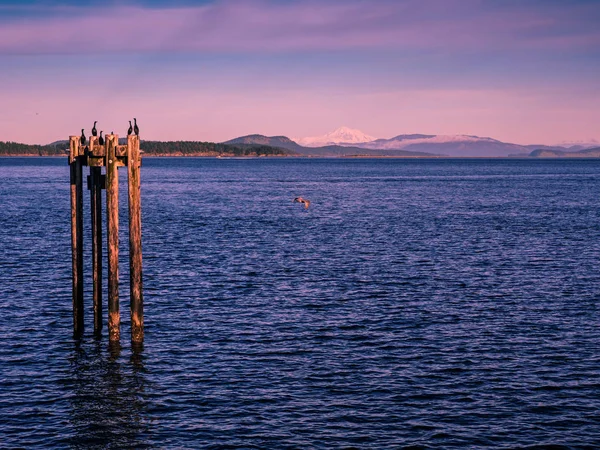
(136, 129)
(82, 137)
(94, 132)
(101, 139)
(130, 130)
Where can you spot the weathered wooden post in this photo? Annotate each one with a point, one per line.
(75, 162)
(95, 186)
(135, 239)
(112, 234)
(96, 219)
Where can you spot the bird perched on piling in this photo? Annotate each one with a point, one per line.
(101, 139)
(94, 132)
(130, 130)
(82, 137)
(136, 129)
(304, 201)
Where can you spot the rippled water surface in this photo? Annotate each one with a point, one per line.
(423, 303)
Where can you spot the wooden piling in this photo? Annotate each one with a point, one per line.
(75, 163)
(135, 239)
(112, 156)
(96, 220)
(112, 234)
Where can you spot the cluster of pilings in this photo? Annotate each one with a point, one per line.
(110, 155)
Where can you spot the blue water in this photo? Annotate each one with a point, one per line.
(424, 303)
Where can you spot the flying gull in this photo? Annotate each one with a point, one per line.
(302, 200)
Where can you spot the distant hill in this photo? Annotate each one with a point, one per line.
(549, 153)
(449, 145)
(327, 150)
(64, 143)
(458, 145)
(273, 141)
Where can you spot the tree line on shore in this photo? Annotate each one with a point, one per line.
(153, 148)
(16, 149)
(194, 148)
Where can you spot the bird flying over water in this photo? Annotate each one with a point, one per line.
(101, 139)
(136, 129)
(303, 201)
(82, 137)
(94, 132)
(130, 130)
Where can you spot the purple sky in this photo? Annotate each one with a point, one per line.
(524, 72)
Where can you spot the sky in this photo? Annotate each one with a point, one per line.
(526, 72)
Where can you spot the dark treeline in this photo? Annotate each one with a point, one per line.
(194, 148)
(153, 148)
(16, 149)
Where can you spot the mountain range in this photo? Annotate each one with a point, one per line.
(325, 150)
(347, 141)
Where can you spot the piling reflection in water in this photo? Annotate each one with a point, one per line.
(107, 406)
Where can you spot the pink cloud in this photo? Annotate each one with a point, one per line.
(264, 26)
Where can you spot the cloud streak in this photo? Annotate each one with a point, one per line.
(307, 25)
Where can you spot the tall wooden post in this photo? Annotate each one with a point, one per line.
(112, 234)
(135, 239)
(76, 233)
(96, 219)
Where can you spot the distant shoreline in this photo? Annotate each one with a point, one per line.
(197, 149)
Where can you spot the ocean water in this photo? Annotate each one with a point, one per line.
(416, 303)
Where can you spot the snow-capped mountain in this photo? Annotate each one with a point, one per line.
(342, 136)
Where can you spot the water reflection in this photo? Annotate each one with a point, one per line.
(107, 403)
